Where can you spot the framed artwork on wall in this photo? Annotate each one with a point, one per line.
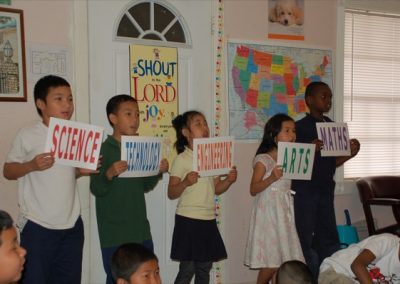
(12, 56)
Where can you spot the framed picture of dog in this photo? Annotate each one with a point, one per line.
(286, 19)
(12, 56)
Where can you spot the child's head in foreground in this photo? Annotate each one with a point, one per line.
(53, 98)
(135, 264)
(318, 97)
(123, 115)
(279, 127)
(293, 272)
(192, 124)
(12, 256)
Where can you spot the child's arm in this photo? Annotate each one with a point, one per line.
(164, 166)
(151, 181)
(354, 148)
(15, 170)
(100, 184)
(259, 184)
(116, 169)
(176, 186)
(222, 185)
(318, 144)
(359, 266)
(80, 172)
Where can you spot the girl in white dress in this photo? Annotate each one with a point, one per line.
(272, 237)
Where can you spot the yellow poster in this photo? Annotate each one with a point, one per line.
(154, 84)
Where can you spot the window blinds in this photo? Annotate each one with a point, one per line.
(372, 91)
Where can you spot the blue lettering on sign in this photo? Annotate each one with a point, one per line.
(143, 156)
(155, 68)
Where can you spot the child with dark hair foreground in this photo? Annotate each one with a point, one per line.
(48, 199)
(135, 264)
(293, 272)
(373, 260)
(314, 200)
(120, 202)
(12, 255)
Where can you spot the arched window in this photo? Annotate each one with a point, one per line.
(152, 22)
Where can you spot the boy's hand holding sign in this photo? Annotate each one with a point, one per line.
(296, 159)
(73, 143)
(213, 156)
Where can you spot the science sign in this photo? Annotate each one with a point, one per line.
(213, 156)
(73, 143)
(296, 159)
(335, 136)
(143, 155)
(154, 84)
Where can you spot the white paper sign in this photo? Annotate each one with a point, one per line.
(143, 155)
(213, 156)
(73, 143)
(335, 137)
(296, 159)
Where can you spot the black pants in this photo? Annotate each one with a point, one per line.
(316, 224)
(187, 269)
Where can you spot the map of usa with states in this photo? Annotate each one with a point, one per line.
(265, 80)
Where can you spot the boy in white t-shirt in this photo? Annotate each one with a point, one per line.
(373, 260)
(49, 221)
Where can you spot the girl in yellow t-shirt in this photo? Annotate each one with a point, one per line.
(196, 241)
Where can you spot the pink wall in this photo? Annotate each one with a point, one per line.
(248, 20)
(46, 22)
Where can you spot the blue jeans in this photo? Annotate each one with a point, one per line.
(53, 256)
(107, 254)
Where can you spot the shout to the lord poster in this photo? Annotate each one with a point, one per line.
(154, 84)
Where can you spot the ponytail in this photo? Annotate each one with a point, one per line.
(179, 123)
(181, 141)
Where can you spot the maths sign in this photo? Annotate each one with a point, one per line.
(335, 138)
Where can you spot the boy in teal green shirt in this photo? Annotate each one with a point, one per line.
(120, 202)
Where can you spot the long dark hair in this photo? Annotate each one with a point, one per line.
(271, 130)
(179, 123)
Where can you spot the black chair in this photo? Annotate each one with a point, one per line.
(380, 191)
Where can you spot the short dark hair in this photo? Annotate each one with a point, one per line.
(114, 103)
(42, 87)
(128, 258)
(294, 272)
(312, 88)
(6, 222)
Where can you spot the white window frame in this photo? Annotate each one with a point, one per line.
(178, 18)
